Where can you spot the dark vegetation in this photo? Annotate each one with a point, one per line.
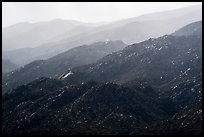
(153, 87)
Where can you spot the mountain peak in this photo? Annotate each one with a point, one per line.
(194, 28)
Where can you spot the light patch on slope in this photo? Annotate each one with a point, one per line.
(160, 48)
(67, 75)
(63, 76)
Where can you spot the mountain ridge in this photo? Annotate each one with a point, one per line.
(58, 64)
(112, 31)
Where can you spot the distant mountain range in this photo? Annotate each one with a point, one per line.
(54, 37)
(29, 35)
(151, 87)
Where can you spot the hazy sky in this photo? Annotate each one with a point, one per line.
(15, 12)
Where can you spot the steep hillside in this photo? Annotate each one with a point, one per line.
(157, 61)
(54, 107)
(152, 87)
(59, 64)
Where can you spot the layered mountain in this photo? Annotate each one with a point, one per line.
(157, 61)
(29, 35)
(151, 87)
(171, 63)
(129, 31)
(135, 29)
(59, 64)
